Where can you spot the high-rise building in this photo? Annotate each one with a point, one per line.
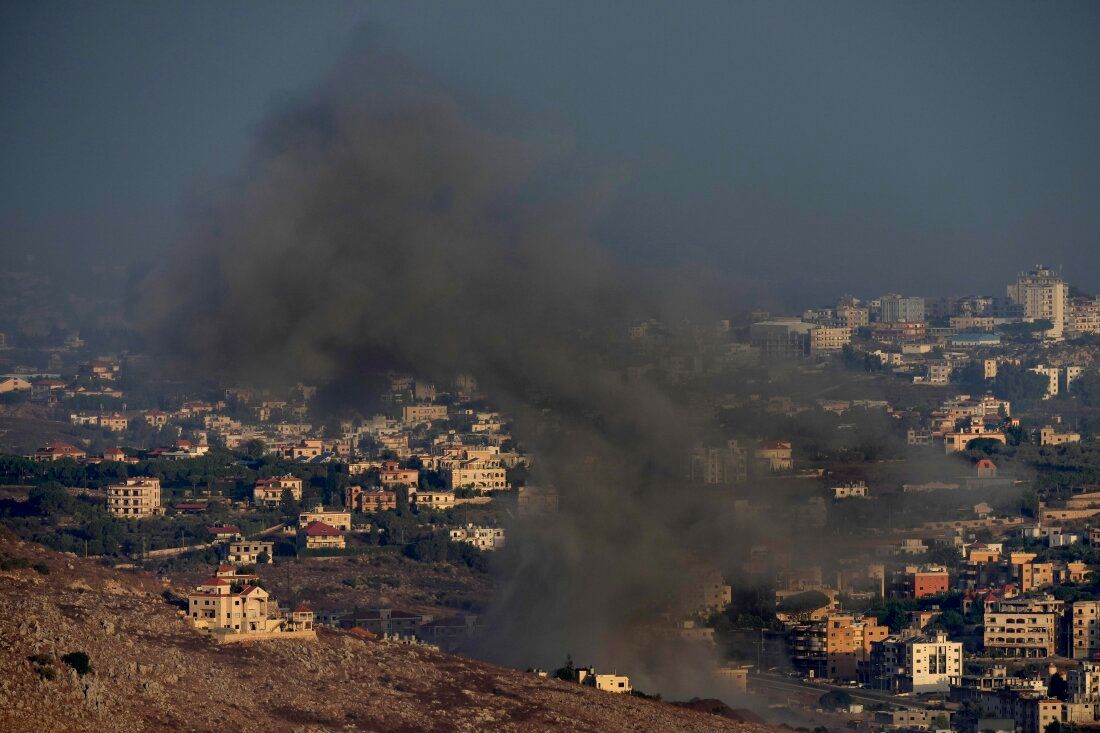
(1043, 295)
(898, 309)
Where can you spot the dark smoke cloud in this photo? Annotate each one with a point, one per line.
(379, 224)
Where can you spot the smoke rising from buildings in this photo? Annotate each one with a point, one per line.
(378, 225)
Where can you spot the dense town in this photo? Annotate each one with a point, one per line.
(917, 478)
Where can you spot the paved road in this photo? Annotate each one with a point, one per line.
(787, 684)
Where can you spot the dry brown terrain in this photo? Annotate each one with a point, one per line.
(377, 580)
(150, 672)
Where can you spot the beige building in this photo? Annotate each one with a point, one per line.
(433, 499)
(423, 413)
(1049, 436)
(1043, 295)
(248, 552)
(359, 499)
(481, 475)
(778, 455)
(1020, 634)
(338, 519)
(1084, 315)
(321, 536)
(824, 339)
(848, 641)
(136, 499)
(483, 538)
(391, 474)
(605, 682)
(268, 492)
(957, 440)
(219, 605)
(1085, 630)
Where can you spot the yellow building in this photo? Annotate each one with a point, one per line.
(434, 499)
(215, 605)
(825, 339)
(423, 413)
(269, 491)
(136, 499)
(339, 520)
(481, 475)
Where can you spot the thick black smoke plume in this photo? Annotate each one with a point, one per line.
(379, 224)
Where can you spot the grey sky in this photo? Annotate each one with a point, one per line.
(825, 147)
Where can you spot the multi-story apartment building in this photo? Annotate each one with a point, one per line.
(781, 339)
(1020, 634)
(921, 581)
(852, 317)
(712, 466)
(848, 641)
(136, 499)
(1084, 640)
(358, 499)
(824, 339)
(1084, 316)
(391, 474)
(897, 309)
(423, 413)
(268, 492)
(914, 663)
(1044, 296)
(481, 475)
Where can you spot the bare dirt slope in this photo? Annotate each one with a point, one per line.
(150, 672)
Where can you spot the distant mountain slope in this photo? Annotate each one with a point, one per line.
(149, 671)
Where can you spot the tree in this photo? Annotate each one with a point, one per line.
(1087, 389)
(1018, 385)
(254, 448)
(78, 661)
(835, 700)
(1058, 687)
(567, 671)
(288, 506)
(971, 377)
(50, 500)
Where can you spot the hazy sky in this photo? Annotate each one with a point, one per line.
(823, 147)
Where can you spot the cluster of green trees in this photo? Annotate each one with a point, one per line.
(436, 547)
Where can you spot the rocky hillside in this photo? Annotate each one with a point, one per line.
(145, 670)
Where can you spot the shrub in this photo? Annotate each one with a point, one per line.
(47, 673)
(42, 568)
(78, 661)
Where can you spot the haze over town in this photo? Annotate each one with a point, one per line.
(725, 367)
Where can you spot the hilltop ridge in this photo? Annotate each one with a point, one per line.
(149, 671)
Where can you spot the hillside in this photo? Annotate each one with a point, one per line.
(150, 672)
